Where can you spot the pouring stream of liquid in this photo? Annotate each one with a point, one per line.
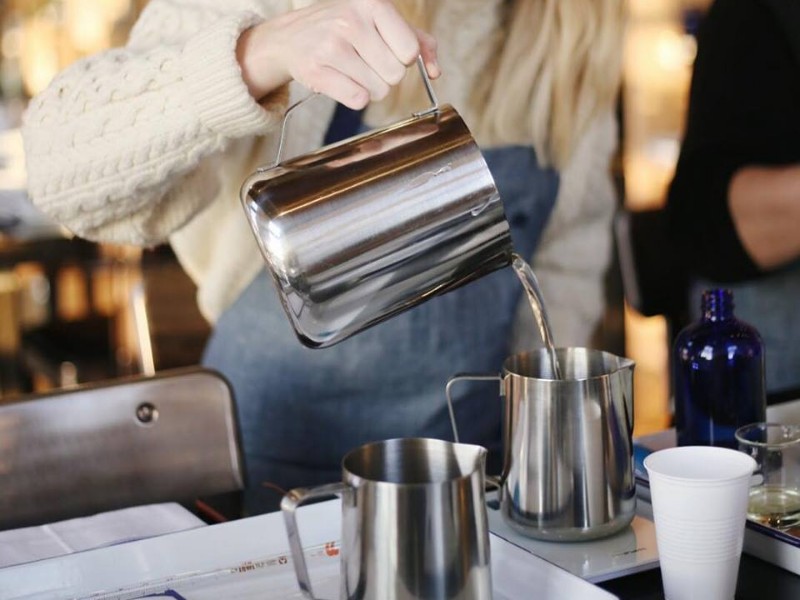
(534, 293)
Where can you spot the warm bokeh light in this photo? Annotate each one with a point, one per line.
(657, 73)
(40, 55)
(61, 31)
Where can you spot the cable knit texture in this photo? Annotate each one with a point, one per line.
(151, 142)
(111, 132)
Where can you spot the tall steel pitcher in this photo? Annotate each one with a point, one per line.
(364, 229)
(414, 524)
(568, 465)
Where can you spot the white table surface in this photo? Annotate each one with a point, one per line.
(254, 548)
(27, 544)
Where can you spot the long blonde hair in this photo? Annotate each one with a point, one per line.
(556, 66)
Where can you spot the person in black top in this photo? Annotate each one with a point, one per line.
(733, 207)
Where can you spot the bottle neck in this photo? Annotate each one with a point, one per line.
(717, 305)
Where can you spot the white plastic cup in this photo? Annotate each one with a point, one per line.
(699, 496)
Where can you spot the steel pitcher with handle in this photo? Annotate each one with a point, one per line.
(567, 443)
(361, 230)
(414, 522)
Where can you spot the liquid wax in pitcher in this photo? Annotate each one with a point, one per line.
(534, 293)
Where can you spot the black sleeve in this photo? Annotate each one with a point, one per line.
(744, 109)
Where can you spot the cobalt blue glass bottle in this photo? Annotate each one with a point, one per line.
(718, 375)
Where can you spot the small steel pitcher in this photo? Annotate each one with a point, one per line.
(366, 228)
(567, 443)
(414, 523)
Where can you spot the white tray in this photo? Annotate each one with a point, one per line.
(771, 545)
(631, 550)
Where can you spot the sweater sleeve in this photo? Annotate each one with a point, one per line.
(116, 146)
(742, 112)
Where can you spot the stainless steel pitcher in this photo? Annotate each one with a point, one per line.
(363, 229)
(414, 523)
(568, 447)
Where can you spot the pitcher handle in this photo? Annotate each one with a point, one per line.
(428, 89)
(466, 377)
(286, 115)
(497, 482)
(506, 427)
(289, 505)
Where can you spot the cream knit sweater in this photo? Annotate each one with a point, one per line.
(151, 142)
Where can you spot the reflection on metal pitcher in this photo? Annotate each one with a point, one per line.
(568, 464)
(364, 229)
(414, 523)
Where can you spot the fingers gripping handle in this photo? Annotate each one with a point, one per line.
(428, 88)
(289, 111)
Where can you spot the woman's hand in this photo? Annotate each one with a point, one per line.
(763, 202)
(350, 50)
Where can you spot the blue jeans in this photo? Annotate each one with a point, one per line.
(301, 410)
